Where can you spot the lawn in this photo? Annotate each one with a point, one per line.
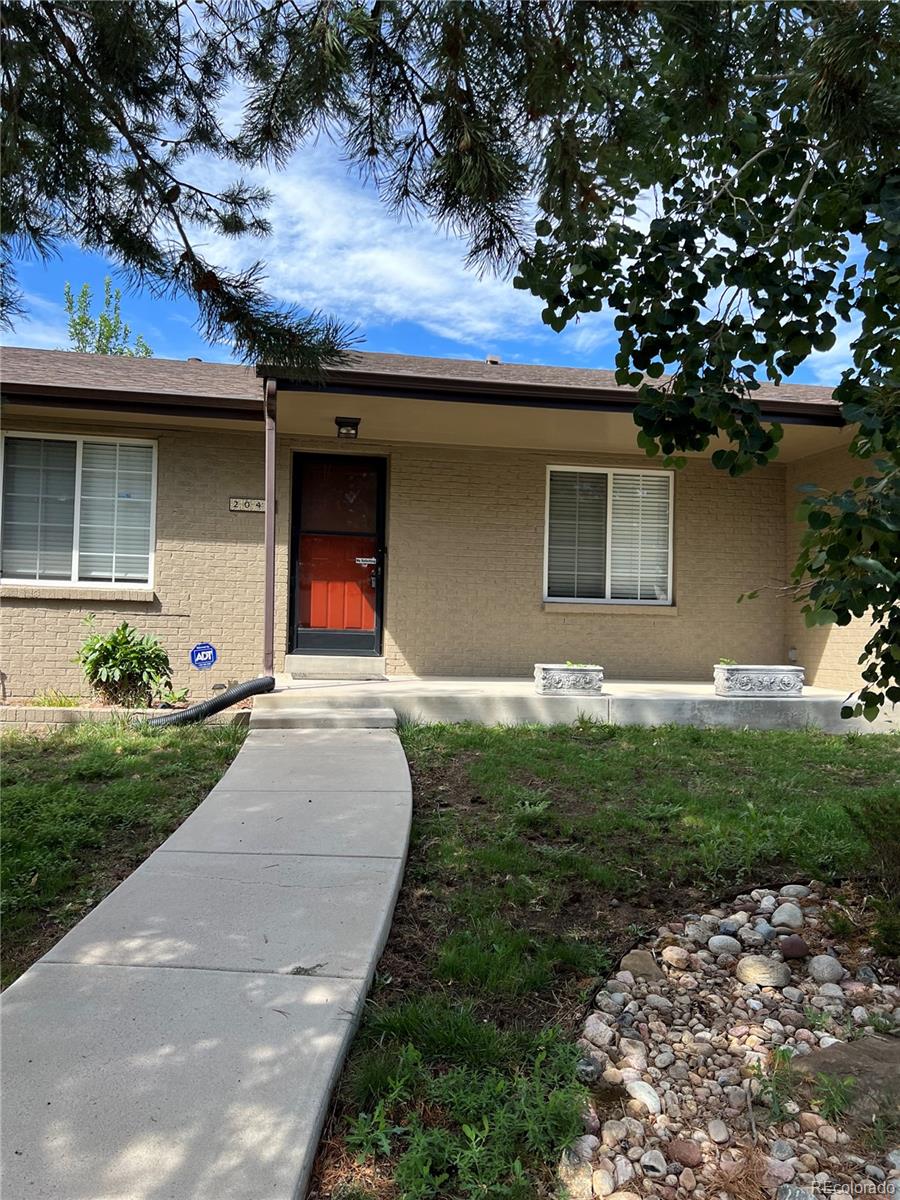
(538, 856)
(82, 807)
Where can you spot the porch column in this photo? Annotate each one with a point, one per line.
(269, 400)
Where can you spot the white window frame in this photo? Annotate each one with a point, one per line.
(608, 471)
(73, 581)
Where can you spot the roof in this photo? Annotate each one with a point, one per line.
(485, 382)
(181, 383)
(23, 369)
(473, 371)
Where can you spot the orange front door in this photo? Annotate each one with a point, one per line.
(339, 504)
(337, 582)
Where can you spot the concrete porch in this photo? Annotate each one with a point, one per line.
(301, 703)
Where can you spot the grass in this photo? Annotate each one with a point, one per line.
(82, 807)
(832, 1096)
(53, 698)
(537, 857)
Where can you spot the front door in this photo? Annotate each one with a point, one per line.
(338, 553)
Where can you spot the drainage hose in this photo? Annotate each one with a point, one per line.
(206, 708)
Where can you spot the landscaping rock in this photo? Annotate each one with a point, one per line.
(597, 1032)
(763, 971)
(793, 946)
(603, 1182)
(582, 1149)
(676, 956)
(653, 1164)
(576, 1178)
(644, 1094)
(825, 969)
(613, 1132)
(722, 944)
(787, 915)
(691, 1033)
(641, 964)
(686, 1152)
(718, 1131)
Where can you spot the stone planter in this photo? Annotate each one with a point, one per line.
(560, 679)
(758, 681)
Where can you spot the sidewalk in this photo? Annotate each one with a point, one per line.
(182, 1041)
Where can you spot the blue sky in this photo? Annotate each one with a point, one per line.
(336, 248)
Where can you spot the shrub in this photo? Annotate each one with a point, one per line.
(125, 667)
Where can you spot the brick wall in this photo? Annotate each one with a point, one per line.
(830, 653)
(208, 574)
(465, 562)
(464, 573)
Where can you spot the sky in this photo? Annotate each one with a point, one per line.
(336, 248)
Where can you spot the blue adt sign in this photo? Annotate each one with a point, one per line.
(203, 656)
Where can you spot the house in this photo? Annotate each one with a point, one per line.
(431, 517)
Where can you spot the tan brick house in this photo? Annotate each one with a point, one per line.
(431, 517)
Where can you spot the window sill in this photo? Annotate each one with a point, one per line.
(606, 609)
(25, 591)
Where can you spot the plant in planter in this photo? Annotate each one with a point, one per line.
(568, 678)
(124, 666)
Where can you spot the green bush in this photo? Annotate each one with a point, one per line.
(124, 666)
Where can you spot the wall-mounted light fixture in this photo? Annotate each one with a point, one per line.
(792, 654)
(347, 427)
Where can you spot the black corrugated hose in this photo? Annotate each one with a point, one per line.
(207, 708)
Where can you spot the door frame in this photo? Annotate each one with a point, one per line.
(379, 463)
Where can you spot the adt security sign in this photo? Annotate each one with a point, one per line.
(203, 656)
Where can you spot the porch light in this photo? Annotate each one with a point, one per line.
(347, 427)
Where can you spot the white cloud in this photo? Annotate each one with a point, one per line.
(826, 366)
(335, 247)
(44, 325)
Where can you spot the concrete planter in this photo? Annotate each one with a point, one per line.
(560, 679)
(758, 681)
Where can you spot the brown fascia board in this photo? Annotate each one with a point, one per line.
(155, 403)
(525, 395)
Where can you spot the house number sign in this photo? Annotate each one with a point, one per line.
(241, 504)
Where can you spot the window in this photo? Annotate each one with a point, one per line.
(77, 510)
(609, 536)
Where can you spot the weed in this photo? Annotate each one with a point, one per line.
(831, 1096)
(816, 1018)
(53, 698)
(840, 925)
(776, 1086)
(372, 1133)
(883, 1134)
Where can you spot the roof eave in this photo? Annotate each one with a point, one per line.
(155, 403)
(526, 395)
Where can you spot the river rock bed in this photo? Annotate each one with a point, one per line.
(680, 1048)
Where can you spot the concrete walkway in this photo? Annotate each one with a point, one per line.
(182, 1041)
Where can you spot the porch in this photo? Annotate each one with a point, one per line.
(299, 703)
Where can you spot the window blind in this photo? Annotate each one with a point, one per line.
(77, 510)
(38, 508)
(608, 535)
(114, 526)
(576, 563)
(639, 558)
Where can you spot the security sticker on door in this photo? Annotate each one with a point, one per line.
(365, 562)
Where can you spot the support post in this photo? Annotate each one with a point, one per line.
(269, 401)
